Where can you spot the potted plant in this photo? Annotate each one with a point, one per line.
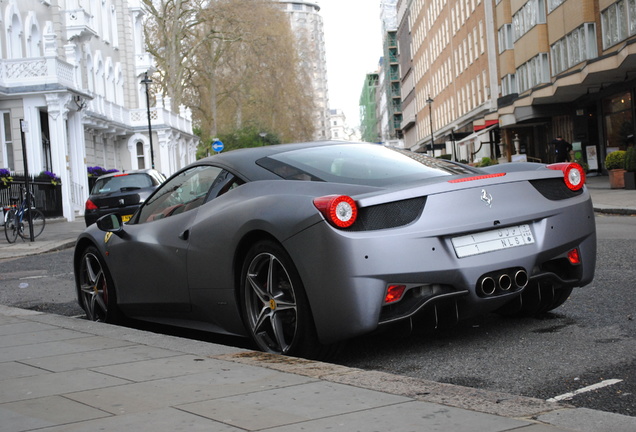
(630, 168)
(615, 165)
(48, 176)
(5, 178)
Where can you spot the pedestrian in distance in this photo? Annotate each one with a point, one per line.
(562, 149)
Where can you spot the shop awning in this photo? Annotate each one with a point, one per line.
(477, 134)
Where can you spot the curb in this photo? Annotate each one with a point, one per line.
(615, 211)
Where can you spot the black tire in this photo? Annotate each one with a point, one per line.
(275, 308)
(37, 217)
(10, 227)
(96, 289)
(536, 299)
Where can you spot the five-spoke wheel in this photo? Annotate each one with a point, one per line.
(270, 303)
(275, 307)
(96, 290)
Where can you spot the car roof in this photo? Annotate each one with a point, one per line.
(243, 161)
(118, 173)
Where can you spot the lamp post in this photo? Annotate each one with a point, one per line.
(429, 101)
(147, 81)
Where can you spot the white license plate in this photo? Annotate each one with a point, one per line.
(494, 240)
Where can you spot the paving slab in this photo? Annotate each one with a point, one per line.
(44, 412)
(291, 405)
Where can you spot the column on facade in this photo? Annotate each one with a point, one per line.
(78, 175)
(57, 104)
(33, 137)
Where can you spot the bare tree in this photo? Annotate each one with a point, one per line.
(234, 62)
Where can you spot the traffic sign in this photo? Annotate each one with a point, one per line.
(217, 146)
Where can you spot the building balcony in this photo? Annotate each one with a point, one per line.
(78, 23)
(39, 73)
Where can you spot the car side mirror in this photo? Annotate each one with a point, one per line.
(110, 223)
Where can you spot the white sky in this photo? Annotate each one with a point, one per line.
(353, 42)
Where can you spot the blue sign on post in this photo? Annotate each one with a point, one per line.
(217, 146)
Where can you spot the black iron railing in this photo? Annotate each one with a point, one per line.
(48, 197)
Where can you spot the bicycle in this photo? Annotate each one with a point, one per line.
(16, 220)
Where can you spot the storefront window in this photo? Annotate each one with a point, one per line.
(619, 125)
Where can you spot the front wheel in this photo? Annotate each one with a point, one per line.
(96, 289)
(10, 226)
(275, 308)
(38, 222)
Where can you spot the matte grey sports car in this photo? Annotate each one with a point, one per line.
(302, 246)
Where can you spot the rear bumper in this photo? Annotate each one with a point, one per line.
(346, 274)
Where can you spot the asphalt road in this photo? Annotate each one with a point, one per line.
(591, 339)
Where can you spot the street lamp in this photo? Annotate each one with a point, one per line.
(147, 81)
(429, 101)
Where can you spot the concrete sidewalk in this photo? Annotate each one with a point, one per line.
(68, 374)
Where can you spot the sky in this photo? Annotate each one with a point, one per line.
(353, 42)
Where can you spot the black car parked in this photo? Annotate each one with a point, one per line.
(121, 193)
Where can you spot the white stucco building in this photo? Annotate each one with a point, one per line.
(72, 69)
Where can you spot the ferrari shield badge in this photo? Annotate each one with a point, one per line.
(107, 237)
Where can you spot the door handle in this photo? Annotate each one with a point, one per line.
(185, 235)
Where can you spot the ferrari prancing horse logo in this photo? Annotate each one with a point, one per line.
(486, 197)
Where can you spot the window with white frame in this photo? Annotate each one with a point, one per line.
(508, 85)
(505, 38)
(618, 22)
(575, 47)
(7, 142)
(553, 4)
(535, 71)
(531, 14)
(141, 157)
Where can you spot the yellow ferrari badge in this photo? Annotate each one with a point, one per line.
(107, 237)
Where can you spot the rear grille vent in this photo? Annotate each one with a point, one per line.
(555, 189)
(389, 215)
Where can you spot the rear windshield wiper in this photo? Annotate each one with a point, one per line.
(129, 188)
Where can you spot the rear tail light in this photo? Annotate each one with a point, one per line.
(573, 174)
(339, 210)
(90, 205)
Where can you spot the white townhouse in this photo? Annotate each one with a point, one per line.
(73, 71)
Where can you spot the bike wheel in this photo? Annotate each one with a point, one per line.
(10, 226)
(37, 218)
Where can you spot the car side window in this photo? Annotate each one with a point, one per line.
(186, 191)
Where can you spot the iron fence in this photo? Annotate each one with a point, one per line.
(48, 197)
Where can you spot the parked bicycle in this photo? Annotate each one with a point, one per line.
(16, 220)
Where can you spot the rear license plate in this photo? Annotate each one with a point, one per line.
(494, 240)
(126, 218)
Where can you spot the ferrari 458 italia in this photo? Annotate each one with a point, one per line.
(302, 246)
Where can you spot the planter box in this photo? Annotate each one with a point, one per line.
(630, 180)
(617, 178)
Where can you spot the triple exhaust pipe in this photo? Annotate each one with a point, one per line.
(502, 281)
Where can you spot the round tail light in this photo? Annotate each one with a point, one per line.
(339, 210)
(573, 174)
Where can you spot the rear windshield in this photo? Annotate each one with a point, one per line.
(122, 182)
(366, 164)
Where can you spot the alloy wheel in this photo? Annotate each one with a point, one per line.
(94, 288)
(271, 307)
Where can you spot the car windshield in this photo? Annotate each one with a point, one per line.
(358, 164)
(121, 182)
